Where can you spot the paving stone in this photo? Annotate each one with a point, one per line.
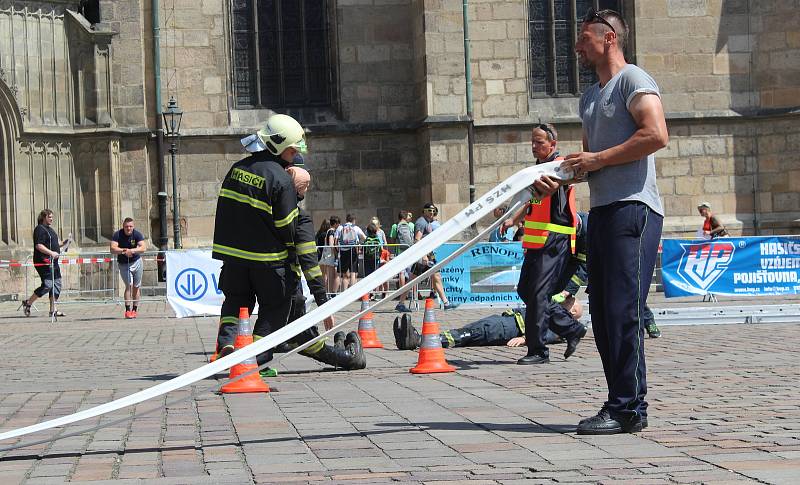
(718, 412)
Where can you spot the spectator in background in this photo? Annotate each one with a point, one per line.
(402, 235)
(128, 245)
(381, 258)
(372, 249)
(319, 238)
(712, 228)
(328, 260)
(46, 250)
(380, 233)
(348, 237)
(424, 226)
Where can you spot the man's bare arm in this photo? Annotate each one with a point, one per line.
(651, 136)
(141, 247)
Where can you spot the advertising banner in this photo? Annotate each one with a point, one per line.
(193, 283)
(749, 266)
(486, 274)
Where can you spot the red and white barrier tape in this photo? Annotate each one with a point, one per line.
(10, 263)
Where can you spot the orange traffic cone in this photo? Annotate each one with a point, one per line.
(431, 353)
(253, 382)
(369, 338)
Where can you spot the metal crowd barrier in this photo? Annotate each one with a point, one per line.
(93, 277)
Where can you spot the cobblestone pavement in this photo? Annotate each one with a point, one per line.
(724, 408)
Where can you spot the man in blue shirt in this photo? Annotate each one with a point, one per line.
(128, 244)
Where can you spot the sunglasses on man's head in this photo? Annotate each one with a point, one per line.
(592, 16)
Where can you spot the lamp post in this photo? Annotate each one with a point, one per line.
(172, 126)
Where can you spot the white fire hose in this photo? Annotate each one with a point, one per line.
(464, 219)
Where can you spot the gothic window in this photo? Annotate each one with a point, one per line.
(281, 53)
(553, 27)
(90, 9)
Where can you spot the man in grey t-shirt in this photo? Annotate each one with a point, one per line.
(623, 125)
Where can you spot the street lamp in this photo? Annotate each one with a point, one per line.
(172, 125)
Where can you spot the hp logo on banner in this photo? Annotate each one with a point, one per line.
(191, 284)
(703, 263)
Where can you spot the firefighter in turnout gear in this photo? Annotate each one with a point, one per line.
(347, 352)
(548, 242)
(254, 230)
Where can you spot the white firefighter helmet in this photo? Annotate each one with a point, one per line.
(279, 133)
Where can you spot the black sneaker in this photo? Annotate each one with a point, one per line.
(604, 409)
(534, 359)
(604, 423)
(572, 343)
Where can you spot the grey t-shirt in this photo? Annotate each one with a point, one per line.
(607, 123)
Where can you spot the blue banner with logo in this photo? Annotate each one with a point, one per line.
(750, 266)
(485, 274)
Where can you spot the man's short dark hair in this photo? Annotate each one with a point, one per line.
(618, 21)
(350, 218)
(334, 220)
(402, 214)
(127, 220)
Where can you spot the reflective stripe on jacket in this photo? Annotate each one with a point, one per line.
(307, 257)
(256, 214)
(538, 219)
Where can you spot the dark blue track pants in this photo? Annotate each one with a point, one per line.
(623, 246)
(541, 269)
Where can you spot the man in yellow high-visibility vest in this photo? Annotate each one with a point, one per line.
(548, 242)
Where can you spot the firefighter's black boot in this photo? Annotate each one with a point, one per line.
(348, 357)
(352, 343)
(407, 338)
(396, 328)
(338, 340)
